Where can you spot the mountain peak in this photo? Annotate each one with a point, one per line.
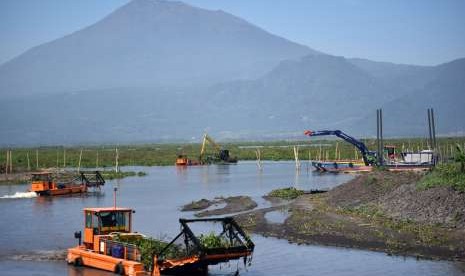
(150, 43)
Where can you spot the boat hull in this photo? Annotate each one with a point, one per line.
(340, 167)
(81, 256)
(63, 191)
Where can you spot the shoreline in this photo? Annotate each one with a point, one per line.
(25, 177)
(377, 211)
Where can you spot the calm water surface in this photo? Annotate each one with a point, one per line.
(34, 227)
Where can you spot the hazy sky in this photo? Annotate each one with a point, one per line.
(425, 32)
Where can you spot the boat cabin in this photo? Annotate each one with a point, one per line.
(103, 221)
(390, 151)
(42, 182)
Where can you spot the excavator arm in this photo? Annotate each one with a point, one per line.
(369, 157)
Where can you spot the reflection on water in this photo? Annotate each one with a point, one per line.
(33, 224)
(278, 216)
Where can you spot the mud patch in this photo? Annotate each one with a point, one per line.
(229, 205)
(197, 205)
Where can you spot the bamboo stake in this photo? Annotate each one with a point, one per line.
(319, 155)
(11, 161)
(259, 160)
(335, 151)
(37, 159)
(116, 161)
(7, 161)
(96, 162)
(79, 165)
(64, 157)
(28, 162)
(57, 161)
(296, 156)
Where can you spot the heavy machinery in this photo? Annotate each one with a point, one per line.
(369, 157)
(220, 155)
(110, 244)
(423, 160)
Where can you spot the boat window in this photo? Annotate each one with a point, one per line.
(88, 219)
(95, 221)
(115, 220)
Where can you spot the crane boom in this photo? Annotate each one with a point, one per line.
(369, 157)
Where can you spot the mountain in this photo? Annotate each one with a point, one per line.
(401, 78)
(166, 71)
(149, 43)
(314, 92)
(444, 91)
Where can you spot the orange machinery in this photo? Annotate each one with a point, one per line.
(100, 249)
(43, 183)
(182, 160)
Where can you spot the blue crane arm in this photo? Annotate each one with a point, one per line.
(366, 154)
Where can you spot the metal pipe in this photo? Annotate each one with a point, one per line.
(429, 129)
(381, 136)
(377, 133)
(434, 128)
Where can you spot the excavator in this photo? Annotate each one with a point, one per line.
(369, 157)
(220, 156)
(421, 161)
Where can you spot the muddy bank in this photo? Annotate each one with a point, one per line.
(234, 204)
(381, 211)
(398, 196)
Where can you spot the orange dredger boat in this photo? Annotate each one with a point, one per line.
(106, 228)
(43, 183)
(182, 160)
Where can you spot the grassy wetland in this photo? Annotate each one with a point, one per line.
(104, 156)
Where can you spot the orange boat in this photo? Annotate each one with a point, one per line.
(182, 160)
(103, 248)
(44, 184)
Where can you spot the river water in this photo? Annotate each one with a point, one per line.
(34, 227)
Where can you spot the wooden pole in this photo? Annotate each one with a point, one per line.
(11, 161)
(296, 156)
(259, 159)
(7, 161)
(96, 162)
(335, 151)
(79, 165)
(64, 157)
(57, 161)
(116, 161)
(28, 162)
(37, 159)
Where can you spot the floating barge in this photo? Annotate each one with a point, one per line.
(109, 244)
(44, 184)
